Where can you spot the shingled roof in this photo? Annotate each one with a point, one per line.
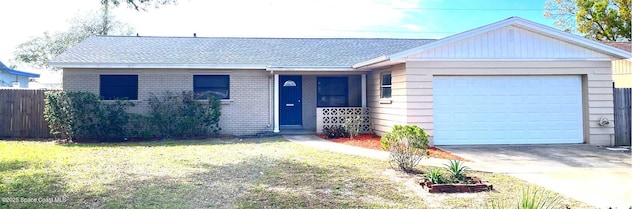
(277, 52)
(620, 45)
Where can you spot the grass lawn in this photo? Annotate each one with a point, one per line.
(229, 173)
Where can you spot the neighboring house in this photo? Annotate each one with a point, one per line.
(14, 78)
(509, 82)
(621, 68)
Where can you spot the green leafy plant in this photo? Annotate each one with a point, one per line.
(179, 114)
(457, 171)
(352, 125)
(530, 198)
(407, 145)
(332, 132)
(435, 176)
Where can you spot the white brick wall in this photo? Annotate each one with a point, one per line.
(246, 112)
(309, 101)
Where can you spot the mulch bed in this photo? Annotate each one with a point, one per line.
(373, 142)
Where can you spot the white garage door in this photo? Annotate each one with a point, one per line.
(507, 110)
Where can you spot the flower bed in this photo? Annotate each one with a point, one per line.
(373, 142)
(474, 184)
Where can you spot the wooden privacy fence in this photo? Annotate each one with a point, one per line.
(622, 115)
(22, 114)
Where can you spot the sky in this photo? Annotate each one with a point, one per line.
(25, 19)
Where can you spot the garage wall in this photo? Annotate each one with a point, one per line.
(597, 92)
(386, 113)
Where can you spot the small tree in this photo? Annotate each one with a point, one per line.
(407, 145)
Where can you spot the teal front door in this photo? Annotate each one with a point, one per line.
(290, 100)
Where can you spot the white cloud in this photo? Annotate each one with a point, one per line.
(268, 18)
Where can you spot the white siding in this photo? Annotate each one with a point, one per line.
(509, 42)
(385, 115)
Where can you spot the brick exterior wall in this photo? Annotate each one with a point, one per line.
(247, 112)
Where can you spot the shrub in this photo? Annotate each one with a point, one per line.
(457, 171)
(407, 145)
(333, 132)
(179, 114)
(352, 126)
(81, 115)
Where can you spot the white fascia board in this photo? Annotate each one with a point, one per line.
(380, 65)
(525, 24)
(311, 68)
(370, 62)
(157, 66)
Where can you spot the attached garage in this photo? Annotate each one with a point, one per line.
(510, 82)
(507, 109)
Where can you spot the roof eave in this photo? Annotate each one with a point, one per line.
(154, 65)
(21, 73)
(311, 68)
(370, 62)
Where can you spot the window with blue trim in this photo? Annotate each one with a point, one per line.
(215, 85)
(119, 87)
(333, 92)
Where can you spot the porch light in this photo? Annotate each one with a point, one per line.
(289, 83)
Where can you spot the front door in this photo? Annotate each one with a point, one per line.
(291, 100)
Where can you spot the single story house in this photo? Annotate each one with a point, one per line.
(510, 82)
(14, 78)
(621, 68)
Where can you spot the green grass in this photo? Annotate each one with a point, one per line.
(250, 173)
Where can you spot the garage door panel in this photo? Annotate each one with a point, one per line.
(507, 109)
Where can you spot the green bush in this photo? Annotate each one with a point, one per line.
(83, 116)
(332, 132)
(457, 171)
(179, 114)
(407, 145)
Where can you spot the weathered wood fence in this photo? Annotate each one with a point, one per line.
(22, 114)
(622, 116)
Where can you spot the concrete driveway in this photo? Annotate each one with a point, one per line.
(591, 174)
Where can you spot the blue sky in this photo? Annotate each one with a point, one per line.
(274, 18)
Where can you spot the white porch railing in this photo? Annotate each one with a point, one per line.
(336, 116)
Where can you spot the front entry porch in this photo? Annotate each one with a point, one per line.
(306, 103)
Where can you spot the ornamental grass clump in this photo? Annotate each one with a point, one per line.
(407, 145)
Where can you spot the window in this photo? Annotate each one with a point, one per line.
(119, 87)
(216, 85)
(385, 85)
(333, 92)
